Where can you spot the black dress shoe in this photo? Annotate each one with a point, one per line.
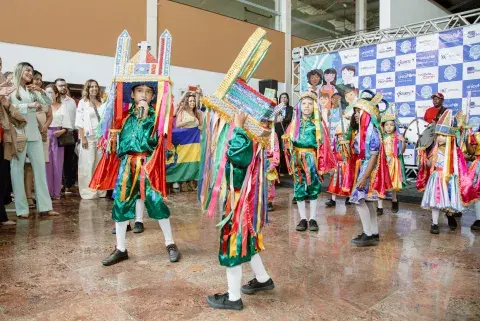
(452, 222)
(347, 201)
(476, 225)
(129, 228)
(434, 229)
(254, 286)
(173, 253)
(312, 225)
(115, 257)
(379, 211)
(221, 301)
(377, 237)
(364, 240)
(302, 225)
(138, 227)
(270, 207)
(330, 203)
(395, 207)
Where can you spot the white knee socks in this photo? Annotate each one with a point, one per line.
(334, 197)
(380, 203)
(477, 209)
(139, 208)
(301, 210)
(234, 279)
(258, 269)
(121, 234)
(364, 214)
(435, 215)
(167, 230)
(313, 209)
(373, 222)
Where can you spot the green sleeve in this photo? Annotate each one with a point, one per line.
(43, 98)
(240, 149)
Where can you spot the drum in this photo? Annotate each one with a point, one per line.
(420, 133)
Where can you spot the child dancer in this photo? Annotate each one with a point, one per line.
(443, 190)
(371, 170)
(473, 147)
(273, 156)
(310, 155)
(394, 148)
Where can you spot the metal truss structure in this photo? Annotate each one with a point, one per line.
(375, 37)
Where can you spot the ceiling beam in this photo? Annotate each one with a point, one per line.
(458, 5)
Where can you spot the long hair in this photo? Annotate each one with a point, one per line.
(330, 71)
(288, 98)
(58, 99)
(186, 106)
(17, 76)
(86, 90)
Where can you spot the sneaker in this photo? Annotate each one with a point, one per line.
(476, 225)
(302, 225)
(312, 225)
(254, 286)
(114, 230)
(452, 222)
(364, 240)
(347, 201)
(221, 301)
(115, 257)
(138, 227)
(379, 211)
(270, 207)
(173, 253)
(434, 229)
(330, 203)
(395, 207)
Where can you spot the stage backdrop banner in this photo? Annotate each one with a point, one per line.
(408, 71)
(183, 164)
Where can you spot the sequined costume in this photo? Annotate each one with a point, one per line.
(273, 158)
(396, 165)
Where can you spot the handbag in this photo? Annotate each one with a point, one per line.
(66, 139)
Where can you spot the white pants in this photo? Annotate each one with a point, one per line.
(87, 162)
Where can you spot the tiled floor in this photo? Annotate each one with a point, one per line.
(50, 268)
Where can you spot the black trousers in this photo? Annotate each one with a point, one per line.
(4, 180)
(70, 165)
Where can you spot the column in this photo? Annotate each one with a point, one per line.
(286, 10)
(360, 14)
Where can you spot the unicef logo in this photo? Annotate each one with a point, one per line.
(426, 92)
(404, 109)
(474, 52)
(386, 65)
(450, 72)
(367, 82)
(405, 46)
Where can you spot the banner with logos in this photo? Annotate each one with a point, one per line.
(409, 71)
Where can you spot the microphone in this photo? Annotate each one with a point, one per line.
(141, 110)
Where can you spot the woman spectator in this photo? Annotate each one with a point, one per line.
(59, 126)
(9, 117)
(281, 123)
(28, 99)
(89, 113)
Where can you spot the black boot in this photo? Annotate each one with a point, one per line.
(138, 227)
(115, 257)
(270, 207)
(173, 253)
(452, 222)
(312, 225)
(379, 211)
(221, 301)
(394, 207)
(129, 228)
(434, 229)
(476, 225)
(347, 201)
(254, 286)
(302, 225)
(330, 203)
(364, 240)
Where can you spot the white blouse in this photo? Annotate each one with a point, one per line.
(61, 118)
(87, 118)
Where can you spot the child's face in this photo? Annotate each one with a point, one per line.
(350, 97)
(307, 106)
(142, 92)
(389, 127)
(442, 140)
(347, 75)
(37, 81)
(324, 101)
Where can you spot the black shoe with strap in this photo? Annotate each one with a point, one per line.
(221, 301)
(115, 257)
(347, 201)
(476, 225)
(364, 240)
(129, 228)
(312, 225)
(395, 207)
(302, 225)
(452, 222)
(330, 203)
(434, 229)
(254, 286)
(173, 253)
(138, 227)
(379, 211)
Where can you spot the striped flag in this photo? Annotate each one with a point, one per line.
(184, 163)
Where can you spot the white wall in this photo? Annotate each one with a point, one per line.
(396, 13)
(77, 67)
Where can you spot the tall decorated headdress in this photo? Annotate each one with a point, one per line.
(390, 114)
(129, 72)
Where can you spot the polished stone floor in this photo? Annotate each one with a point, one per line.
(50, 268)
